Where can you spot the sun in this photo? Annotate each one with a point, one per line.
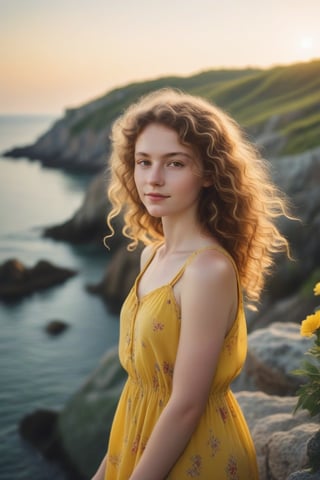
(305, 47)
(306, 43)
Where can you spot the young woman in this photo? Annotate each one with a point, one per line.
(196, 193)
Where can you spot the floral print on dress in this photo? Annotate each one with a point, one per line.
(223, 413)
(157, 326)
(114, 460)
(232, 469)
(155, 382)
(168, 368)
(195, 469)
(135, 444)
(213, 443)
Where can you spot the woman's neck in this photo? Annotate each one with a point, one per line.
(183, 236)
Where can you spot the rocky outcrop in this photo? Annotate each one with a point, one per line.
(16, 280)
(66, 145)
(79, 434)
(280, 437)
(274, 352)
(118, 278)
(88, 224)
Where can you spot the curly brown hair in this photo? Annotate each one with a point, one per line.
(239, 208)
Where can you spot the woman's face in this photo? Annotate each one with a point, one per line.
(166, 173)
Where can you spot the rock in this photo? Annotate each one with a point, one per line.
(280, 437)
(38, 429)
(293, 308)
(84, 424)
(88, 224)
(119, 278)
(313, 451)
(56, 327)
(16, 280)
(286, 450)
(273, 352)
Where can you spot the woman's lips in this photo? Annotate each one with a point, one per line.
(156, 196)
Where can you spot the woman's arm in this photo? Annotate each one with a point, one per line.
(99, 475)
(208, 308)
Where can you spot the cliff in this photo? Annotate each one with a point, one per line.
(279, 108)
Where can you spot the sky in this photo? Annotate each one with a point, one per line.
(57, 54)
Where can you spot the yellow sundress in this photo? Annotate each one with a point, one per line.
(221, 447)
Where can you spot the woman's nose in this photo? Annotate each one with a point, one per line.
(156, 176)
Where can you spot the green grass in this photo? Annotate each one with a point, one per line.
(251, 96)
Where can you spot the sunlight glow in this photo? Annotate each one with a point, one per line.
(306, 43)
(101, 45)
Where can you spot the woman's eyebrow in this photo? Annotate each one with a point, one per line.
(142, 154)
(175, 154)
(166, 155)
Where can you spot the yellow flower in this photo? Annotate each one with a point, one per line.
(310, 324)
(316, 289)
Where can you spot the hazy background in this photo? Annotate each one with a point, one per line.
(57, 54)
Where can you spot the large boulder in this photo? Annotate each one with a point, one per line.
(292, 308)
(280, 437)
(84, 424)
(16, 280)
(273, 353)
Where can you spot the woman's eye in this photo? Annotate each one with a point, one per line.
(176, 164)
(143, 163)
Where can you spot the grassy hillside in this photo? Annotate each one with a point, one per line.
(289, 95)
(117, 100)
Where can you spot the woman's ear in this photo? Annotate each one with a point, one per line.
(207, 182)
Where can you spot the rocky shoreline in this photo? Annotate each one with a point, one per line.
(17, 280)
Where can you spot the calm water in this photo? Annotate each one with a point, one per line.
(36, 370)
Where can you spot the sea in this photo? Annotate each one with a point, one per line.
(39, 371)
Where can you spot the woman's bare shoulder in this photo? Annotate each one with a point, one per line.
(212, 266)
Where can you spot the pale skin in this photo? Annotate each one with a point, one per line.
(169, 184)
